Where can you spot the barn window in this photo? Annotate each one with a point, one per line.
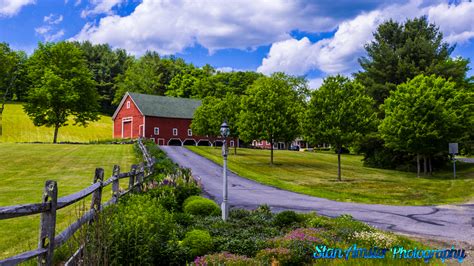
(190, 132)
(128, 104)
(175, 132)
(157, 131)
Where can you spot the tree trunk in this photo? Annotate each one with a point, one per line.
(339, 164)
(430, 166)
(55, 139)
(417, 165)
(271, 152)
(425, 168)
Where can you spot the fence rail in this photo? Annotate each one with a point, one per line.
(51, 203)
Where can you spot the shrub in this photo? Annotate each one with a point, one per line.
(244, 236)
(319, 221)
(345, 226)
(224, 258)
(375, 238)
(192, 198)
(274, 256)
(198, 242)
(200, 206)
(286, 219)
(300, 242)
(135, 231)
(172, 192)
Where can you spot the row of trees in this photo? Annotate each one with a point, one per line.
(409, 100)
(76, 80)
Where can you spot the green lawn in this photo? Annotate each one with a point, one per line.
(24, 168)
(316, 174)
(17, 127)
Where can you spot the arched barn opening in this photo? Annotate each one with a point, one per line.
(218, 143)
(204, 143)
(189, 142)
(175, 142)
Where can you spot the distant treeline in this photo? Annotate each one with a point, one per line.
(115, 72)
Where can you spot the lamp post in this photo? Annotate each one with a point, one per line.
(224, 133)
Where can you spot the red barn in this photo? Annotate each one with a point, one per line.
(165, 120)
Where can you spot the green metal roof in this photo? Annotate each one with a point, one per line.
(162, 106)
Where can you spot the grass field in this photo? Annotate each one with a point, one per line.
(316, 174)
(24, 168)
(17, 127)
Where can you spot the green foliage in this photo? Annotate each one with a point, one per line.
(106, 65)
(425, 114)
(136, 231)
(62, 86)
(163, 165)
(244, 233)
(271, 110)
(339, 113)
(403, 51)
(269, 256)
(199, 242)
(287, 219)
(213, 111)
(197, 205)
(224, 258)
(13, 80)
(205, 82)
(150, 74)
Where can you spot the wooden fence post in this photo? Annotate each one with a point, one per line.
(48, 223)
(115, 184)
(131, 180)
(141, 173)
(97, 195)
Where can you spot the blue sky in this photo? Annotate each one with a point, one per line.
(311, 38)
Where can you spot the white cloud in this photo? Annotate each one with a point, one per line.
(171, 26)
(331, 55)
(49, 30)
(43, 30)
(10, 8)
(55, 36)
(53, 19)
(315, 83)
(455, 21)
(339, 53)
(100, 7)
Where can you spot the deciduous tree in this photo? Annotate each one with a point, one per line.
(423, 115)
(62, 87)
(339, 113)
(213, 111)
(271, 110)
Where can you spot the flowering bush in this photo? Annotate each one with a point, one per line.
(300, 242)
(375, 238)
(224, 258)
(272, 256)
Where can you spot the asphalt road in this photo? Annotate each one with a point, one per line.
(445, 222)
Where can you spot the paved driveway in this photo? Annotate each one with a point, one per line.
(448, 222)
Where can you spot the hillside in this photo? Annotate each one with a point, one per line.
(17, 127)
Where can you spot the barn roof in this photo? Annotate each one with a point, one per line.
(162, 106)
